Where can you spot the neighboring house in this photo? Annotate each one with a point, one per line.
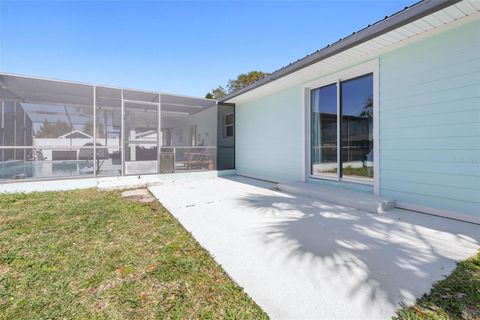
(76, 134)
(393, 109)
(68, 146)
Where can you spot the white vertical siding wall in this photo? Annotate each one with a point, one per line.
(430, 122)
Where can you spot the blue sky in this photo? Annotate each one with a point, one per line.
(178, 47)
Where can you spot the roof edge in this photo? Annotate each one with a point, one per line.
(394, 21)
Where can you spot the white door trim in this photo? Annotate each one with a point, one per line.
(358, 70)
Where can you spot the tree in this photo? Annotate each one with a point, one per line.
(367, 111)
(244, 80)
(240, 82)
(53, 129)
(216, 93)
(88, 129)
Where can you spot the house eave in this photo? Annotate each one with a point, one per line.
(397, 20)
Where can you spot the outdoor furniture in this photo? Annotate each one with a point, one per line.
(198, 159)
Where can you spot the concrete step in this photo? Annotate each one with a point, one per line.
(355, 199)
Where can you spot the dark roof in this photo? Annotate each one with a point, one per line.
(389, 23)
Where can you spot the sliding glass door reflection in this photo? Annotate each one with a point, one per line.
(324, 130)
(357, 127)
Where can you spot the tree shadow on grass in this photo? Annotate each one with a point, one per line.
(379, 259)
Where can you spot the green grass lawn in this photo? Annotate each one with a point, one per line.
(456, 297)
(88, 254)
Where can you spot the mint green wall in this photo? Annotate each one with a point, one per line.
(430, 121)
(269, 136)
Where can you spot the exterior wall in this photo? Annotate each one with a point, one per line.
(430, 122)
(269, 136)
(429, 126)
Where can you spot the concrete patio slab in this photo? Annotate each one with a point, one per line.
(355, 199)
(301, 258)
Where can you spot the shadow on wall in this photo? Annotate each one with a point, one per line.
(391, 258)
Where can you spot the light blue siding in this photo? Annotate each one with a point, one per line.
(269, 136)
(429, 126)
(430, 122)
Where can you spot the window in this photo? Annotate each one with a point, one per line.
(228, 125)
(341, 118)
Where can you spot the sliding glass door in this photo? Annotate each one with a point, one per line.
(341, 116)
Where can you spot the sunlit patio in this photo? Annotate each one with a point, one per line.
(301, 258)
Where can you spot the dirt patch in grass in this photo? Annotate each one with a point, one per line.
(140, 195)
(89, 254)
(456, 297)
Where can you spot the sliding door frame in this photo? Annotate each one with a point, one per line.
(371, 67)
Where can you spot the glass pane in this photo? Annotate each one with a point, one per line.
(229, 119)
(324, 130)
(109, 125)
(229, 131)
(141, 133)
(228, 126)
(357, 127)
